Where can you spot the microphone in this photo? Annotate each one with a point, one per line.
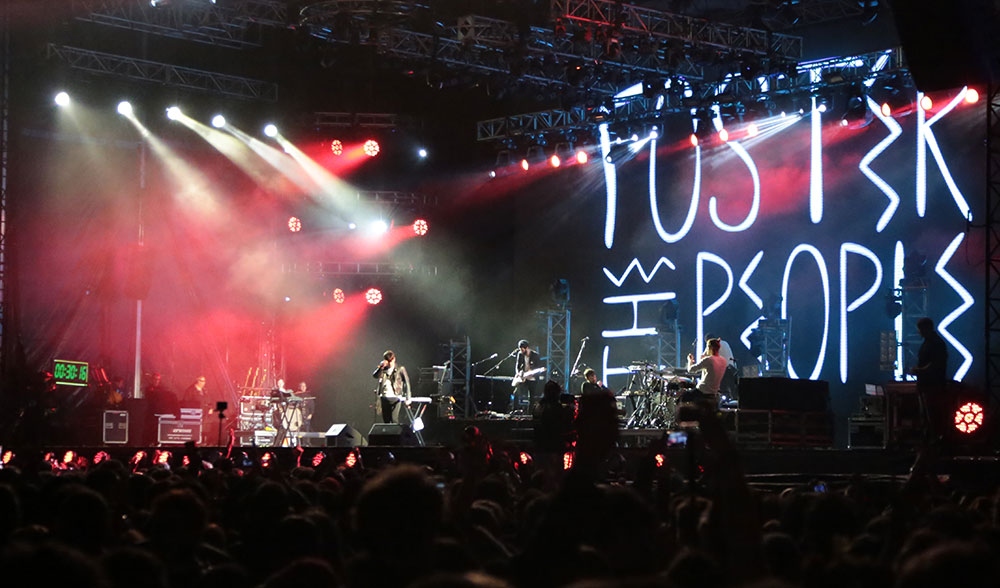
(586, 338)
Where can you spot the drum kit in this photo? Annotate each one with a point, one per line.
(652, 395)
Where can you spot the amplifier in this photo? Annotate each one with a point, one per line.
(115, 430)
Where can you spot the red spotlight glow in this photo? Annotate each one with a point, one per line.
(8, 456)
(660, 460)
(926, 103)
(294, 224)
(972, 95)
(373, 296)
(581, 156)
(420, 227)
(694, 140)
(351, 460)
(336, 147)
(554, 161)
(525, 165)
(752, 130)
(338, 296)
(969, 417)
(567, 460)
(318, 459)
(886, 111)
(724, 135)
(371, 148)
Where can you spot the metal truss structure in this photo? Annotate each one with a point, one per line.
(775, 335)
(457, 378)
(361, 120)
(790, 13)
(557, 340)
(809, 77)
(400, 199)
(234, 24)
(913, 295)
(4, 171)
(696, 31)
(389, 271)
(992, 241)
(668, 345)
(142, 70)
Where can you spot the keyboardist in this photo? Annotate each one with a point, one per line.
(393, 386)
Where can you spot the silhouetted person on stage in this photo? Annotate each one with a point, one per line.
(931, 372)
(526, 388)
(393, 385)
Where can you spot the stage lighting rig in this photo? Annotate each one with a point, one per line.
(62, 99)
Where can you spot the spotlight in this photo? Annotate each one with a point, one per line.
(270, 130)
(380, 227)
(581, 156)
(125, 108)
(422, 153)
(886, 110)
(752, 130)
(724, 135)
(972, 95)
(338, 296)
(373, 296)
(420, 227)
(352, 226)
(62, 99)
(694, 140)
(493, 173)
(843, 122)
(969, 417)
(554, 161)
(371, 147)
(218, 121)
(294, 224)
(288, 298)
(336, 147)
(173, 113)
(821, 107)
(926, 103)
(525, 165)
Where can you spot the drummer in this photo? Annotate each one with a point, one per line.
(712, 368)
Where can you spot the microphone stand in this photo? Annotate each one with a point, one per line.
(499, 363)
(572, 372)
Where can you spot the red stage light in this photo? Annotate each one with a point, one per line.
(420, 227)
(886, 111)
(660, 460)
(969, 417)
(581, 156)
(8, 456)
(926, 103)
(972, 95)
(337, 147)
(294, 224)
(68, 457)
(318, 458)
(567, 460)
(525, 165)
(694, 140)
(371, 147)
(724, 135)
(554, 161)
(351, 460)
(373, 296)
(338, 296)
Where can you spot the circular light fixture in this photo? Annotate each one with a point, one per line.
(926, 103)
(371, 147)
(694, 140)
(886, 111)
(270, 130)
(373, 296)
(554, 161)
(752, 130)
(420, 227)
(125, 108)
(352, 226)
(338, 296)
(422, 153)
(218, 121)
(724, 135)
(294, 224)
(972, 95)
(969, 418)
(525, 165)
(581, 156)
(62, 99)
(173, 113)
(336, 147)
(380, 227)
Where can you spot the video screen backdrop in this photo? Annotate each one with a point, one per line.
(816, 213)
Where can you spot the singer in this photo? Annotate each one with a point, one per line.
(393, 386)
(527, 367)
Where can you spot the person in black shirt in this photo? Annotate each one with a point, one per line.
(931, 372)
(393, 385)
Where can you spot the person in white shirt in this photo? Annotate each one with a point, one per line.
(725, 351)
(713, 367)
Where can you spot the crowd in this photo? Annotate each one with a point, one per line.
(486, 518)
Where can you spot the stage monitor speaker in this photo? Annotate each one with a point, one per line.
(784, 394)
(391, 434)
(344, 435)
(948, 44)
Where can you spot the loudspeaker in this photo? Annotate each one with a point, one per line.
(947, 44)
(391, 434)
(344, 435)
(784, 394)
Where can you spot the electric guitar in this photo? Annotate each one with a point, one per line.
(522, 376)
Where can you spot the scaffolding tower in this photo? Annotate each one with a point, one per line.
(913, 295)
(456, 377)
(668, 345)
(775, 335)
(557, 338)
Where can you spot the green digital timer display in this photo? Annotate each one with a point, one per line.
(71, 373)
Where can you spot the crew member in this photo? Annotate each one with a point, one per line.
(527, 367)
(713, 367)
(393, 386)
(931, 372)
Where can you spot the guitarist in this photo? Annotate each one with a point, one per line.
(393, 386)
(526, 389)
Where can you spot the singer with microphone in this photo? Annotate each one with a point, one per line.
(393, 386)
(527, 368)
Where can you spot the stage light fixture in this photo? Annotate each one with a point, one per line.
(752, 130)
(270, 130)
(352, 226)
(125, 108)
(373, 296)
(525, 165)
(294, 224)
(380, 227)
(338, 296)
(173, 113)
(336, 147)
(218, 121)
(926, 103)
(972, 95)
(724, 135)
(581, 156)
(843, 122)
(821, 107)
(694, 140)
(288, 298)
(420, 227)
(554, 161)
(422, 153)
(492, 173)
(886, 109)
(969, 418)
(371, 147)
(62, 99)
